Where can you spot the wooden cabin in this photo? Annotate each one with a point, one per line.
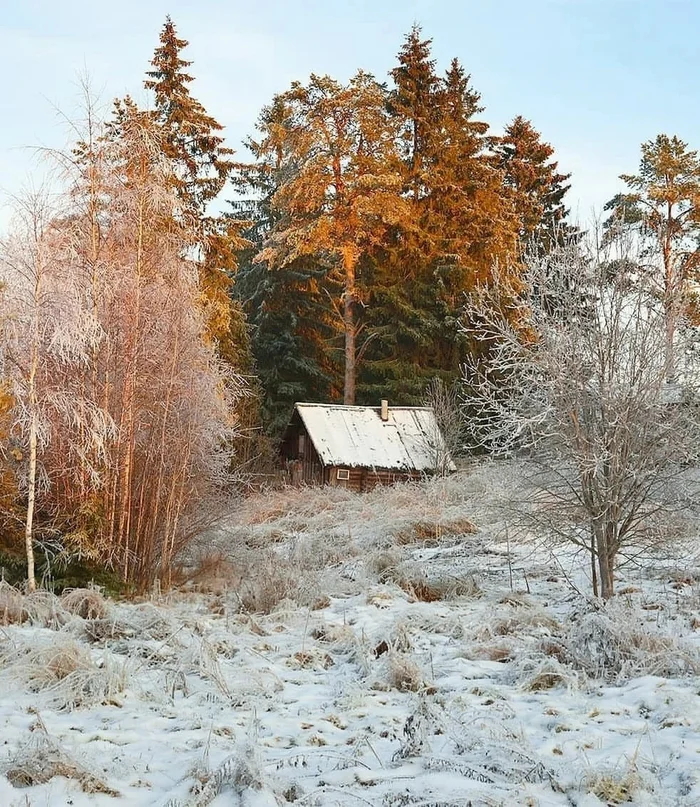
(359, 447)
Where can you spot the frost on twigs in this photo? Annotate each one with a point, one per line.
(574, 369)
(617, 643)
(612, 644)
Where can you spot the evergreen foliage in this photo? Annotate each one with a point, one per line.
(401, 197)
(192, 140)
(372, 213)
(662, 210)
(337, 192)
(463, 225)
(537, 188)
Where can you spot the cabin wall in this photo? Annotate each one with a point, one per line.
(303, 465)
(353, 483)
(364, 479)
(373, 478)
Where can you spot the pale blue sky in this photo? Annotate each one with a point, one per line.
(596, 77)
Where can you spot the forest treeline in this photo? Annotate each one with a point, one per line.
(377, 207)
(162, 312)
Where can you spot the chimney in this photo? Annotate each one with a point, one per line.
(385, 410)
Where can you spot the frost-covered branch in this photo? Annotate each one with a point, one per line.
(573, 371)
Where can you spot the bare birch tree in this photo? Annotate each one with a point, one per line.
(49, 333)
(122, 409)
(575, 376)
(159, 376)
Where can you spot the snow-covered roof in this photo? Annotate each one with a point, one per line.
(356, 436)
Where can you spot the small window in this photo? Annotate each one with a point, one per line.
(302, 444)
(343, 474)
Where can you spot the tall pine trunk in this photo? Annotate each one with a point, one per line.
(350, 330)
(669, 301)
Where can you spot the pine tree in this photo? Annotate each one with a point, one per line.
(662, 208)
(537, 188)
(338, 193)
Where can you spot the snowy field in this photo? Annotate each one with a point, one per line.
(393, 649)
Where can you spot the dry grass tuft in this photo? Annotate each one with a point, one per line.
(614, 787)
(103, 630)
(384, 562)
(431, 532)
(267, 588)
(501, 652)
(311, 659)
(272, 580)
(40, 607)
(242, 771)
(442, 624)
(522, 621)
(41, 759)
(149, 622)
(537, 675)
(87, 603)
(404, 674)
(343, 641)
(45, 608)
(422, 590)
(411, 577)
(211, 572)
(12, 610)
(64, 672)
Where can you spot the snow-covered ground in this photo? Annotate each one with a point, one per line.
(399, 648)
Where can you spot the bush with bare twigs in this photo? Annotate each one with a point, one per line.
(617, 642)
(578, 371)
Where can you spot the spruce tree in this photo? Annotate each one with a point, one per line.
(192, 139)
(413, 103)
(399, 314)
(462, 225)
(295, 339)
(472, 222)
(537, 188)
